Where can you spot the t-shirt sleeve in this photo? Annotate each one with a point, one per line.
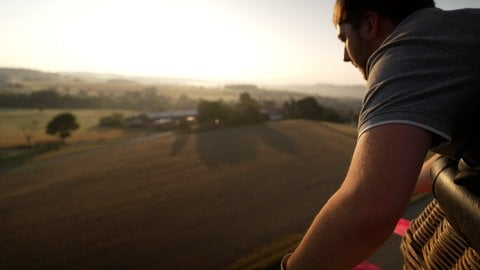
(426, 93)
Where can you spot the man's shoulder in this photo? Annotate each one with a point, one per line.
(435, 11)
(463, 15)
(433, 24)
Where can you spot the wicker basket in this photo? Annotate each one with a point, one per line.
(432, 243)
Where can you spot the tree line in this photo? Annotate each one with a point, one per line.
(149, 100)
(248, 111)
(220, 114)
(50, 98)
(210, 114)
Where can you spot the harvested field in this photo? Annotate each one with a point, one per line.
(14, 123)
(172, 201)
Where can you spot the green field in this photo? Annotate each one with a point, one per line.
(13, 121)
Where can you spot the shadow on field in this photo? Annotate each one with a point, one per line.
(277, 140)
(180, 142)
(238, 144)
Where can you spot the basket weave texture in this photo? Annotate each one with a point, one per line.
(431, 243)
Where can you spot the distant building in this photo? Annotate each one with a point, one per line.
(161, 119)
(272, 114)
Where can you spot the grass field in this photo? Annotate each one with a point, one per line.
(208, 200)
(12, 121)
(234, 198)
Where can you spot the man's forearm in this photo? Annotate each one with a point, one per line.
(340, 236)
(376, 191)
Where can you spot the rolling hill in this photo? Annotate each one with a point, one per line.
(16, 74)
(330, 90)
(170, 201)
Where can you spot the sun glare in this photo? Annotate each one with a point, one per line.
(195, 39)
(155, 38)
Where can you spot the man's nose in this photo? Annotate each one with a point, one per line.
(346, 57)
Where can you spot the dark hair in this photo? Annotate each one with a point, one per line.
(352, 11)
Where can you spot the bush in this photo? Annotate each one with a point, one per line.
(115, 120)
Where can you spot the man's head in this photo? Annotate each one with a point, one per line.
(363, 24)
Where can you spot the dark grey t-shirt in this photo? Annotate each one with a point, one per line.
(427, 74)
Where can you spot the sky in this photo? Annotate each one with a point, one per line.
(263, 42)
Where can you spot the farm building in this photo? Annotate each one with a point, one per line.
(166, 119)
(272, 114)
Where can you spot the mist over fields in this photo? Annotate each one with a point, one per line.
(11, 79)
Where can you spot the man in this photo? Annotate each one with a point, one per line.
(422, 67)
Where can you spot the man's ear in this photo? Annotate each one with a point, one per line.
(372, 24)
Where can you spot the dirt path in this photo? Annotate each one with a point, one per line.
(191, 201)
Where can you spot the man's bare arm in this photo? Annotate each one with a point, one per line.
(362, 214)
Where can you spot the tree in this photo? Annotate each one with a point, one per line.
(28, 130)
(214, 113)
(247, 110)
(308, 108)
(62, 125)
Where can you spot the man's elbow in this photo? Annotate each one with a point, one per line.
(377, 221)
(379, 225)
(374, 217)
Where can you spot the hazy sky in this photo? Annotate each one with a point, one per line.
(248, 41)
